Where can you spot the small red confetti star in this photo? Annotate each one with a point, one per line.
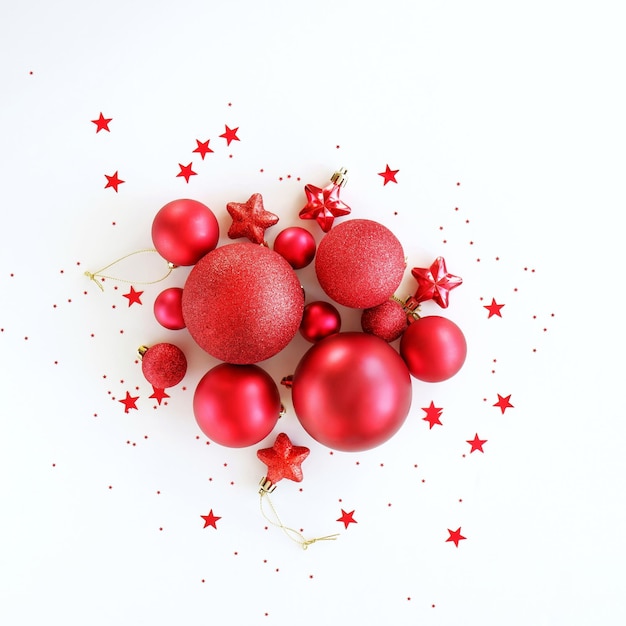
(477, 444)
(389, 175)
(493, 308)
(113, 181)
(433, 414)
(230, 134)
(323, 205)
(186, 172)
(210, 519)
(250, 219)
(283, 459)
(158, 394)
(434, 282)
(503, 403)
(203, 148)
(102, 123)
(347, 518)
(133, 296)
(129, 402)
(455, 536)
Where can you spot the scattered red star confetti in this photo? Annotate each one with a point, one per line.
(210, 519)
(202, 148)
(455, 536)
(129, 402)
(503, 403)
(102, 123)
(347, 518)
(230, 134)
(133, 296)
(158, 394)
(113, 181)
(323, 205)
(433, 414)
(477, 444)
(250, 219)
(389, 175)
(434, 282)
(283, 459)
(186, 172)
(493, 308)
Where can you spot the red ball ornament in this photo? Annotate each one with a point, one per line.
(297, 245)
(163, 365)
(242, 303)
(168, 309)
(359, 263)
(236, 405)
(183, 231)
(434, 348)
(351, 391)
(319, 320)
(387, 320)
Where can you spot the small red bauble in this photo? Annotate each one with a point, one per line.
(351, 391)
(387, 320)
(168, 309)
(297, 245)
(236, 405)
(319, 320)
(183, 231)
(359, 263)
(163, 365)
(434, 348)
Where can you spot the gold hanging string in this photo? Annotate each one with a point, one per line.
(92, 275)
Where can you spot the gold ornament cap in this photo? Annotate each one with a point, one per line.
(340, 177)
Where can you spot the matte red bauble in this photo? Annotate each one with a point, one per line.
(319, 320)
(242, 303)
(297, 245)
(434, 348)
(168, 309)
(236, 405)
(387, 320)
(360, 263)
(183, 231)
(351, 391)
(163, 365)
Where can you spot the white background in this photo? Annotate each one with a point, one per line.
(522, 104)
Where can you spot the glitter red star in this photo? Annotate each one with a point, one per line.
(493, 308)
(477, 444)
(323, 205)
(503, 403)
(102, 123)
(347, 518)
(250, 219)
(283, 459)
(133, 296)
(434, 282)
(129, 402)
(433, 414)
(230, 134)
(158, 394)
(203, 148)
(210, 519)
(186, 172)
(455, 536)
(113, 181)
(389, 175)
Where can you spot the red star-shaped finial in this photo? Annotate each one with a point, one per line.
(493, 308)
(503, 403)
(113, 181)
(185, 171)
(433, 414)
(202, 148)
(250, 219)
(455, 536)
(434, 282)
(323, 205)
(158, 394)
(230, 134)
(477, 444)
(210, 519)
(102, 123)
(389, 175)
(133, 296)
(283, 459)
(347, 518)
(129, 402)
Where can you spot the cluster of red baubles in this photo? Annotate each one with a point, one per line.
(243, 303)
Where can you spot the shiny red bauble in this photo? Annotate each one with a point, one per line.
(359, 263)
(168, 308)
(434, 348)
(242, 303)
(351, 391)
(296, 245)
(163, 365)
(236, 405)
(319, 319)
(183, 231)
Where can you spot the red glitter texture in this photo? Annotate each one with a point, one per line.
(387, 320)
(164, 365)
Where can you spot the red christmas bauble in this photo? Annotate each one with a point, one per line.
(434, 348)
(319, 320)
(351, 391)
(163, 365)
(183, 231)
(168, 309)
(360, 263)
(297, 245)
(387, 320)
(242, 303)
(236, 405)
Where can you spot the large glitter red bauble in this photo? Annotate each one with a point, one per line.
(360, 263)
(242, 303)
(434, 348)
(168, 309)
(236, 405)
(183, 231)
(297, 245)
(164, 365)
(351, 391)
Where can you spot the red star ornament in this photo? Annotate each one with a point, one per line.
(389, 175)
(250, 219)
(210, 519)
(129, 402)
(230, 134)
(283, 459)
(434, 282)
(347, 518)
(158, 394)
(493, 308)
(477, 444)
(113, 181)
(133, 296)
(455, 536)
(324, 204)
(186, 172)
(504, 403)
(203, 148)
(433, 414)
(102, 123)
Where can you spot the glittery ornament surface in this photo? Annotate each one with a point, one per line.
(283, 459)
(164, 365)
(242, 303)
(360, 263)
(387, 320)
(250, 219)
